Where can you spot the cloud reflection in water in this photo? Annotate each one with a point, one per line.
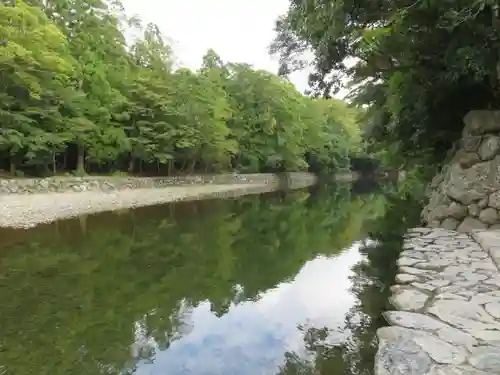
(252, 338)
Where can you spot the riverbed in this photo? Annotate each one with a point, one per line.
(279, 283)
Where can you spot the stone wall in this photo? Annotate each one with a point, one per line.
(465, 195)
(104, 184)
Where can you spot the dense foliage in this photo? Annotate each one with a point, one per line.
(417, 66)
(75, 95)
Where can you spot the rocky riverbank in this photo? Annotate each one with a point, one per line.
(447, 306)
(465, 195)
(39, 205)
(110, 183)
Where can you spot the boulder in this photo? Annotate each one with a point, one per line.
(469, 224)
(489, 148)
(472, 184)
(470, 143)
(465, 159)
(483, 203)
(474, 210)
(450, 223)
(489, 216)
(481, 121)
(494, 200)
(456, 210)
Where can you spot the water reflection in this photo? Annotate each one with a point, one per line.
(252, 337)
(260, 285)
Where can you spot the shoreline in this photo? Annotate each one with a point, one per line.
(40, 202)
(446, 317)
(28, 211)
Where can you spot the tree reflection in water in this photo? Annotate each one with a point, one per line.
(108, 292)
(371, 280)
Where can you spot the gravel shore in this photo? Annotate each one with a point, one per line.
(25, 211)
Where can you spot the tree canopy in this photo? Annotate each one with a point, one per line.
(76, 96)
(417, 66)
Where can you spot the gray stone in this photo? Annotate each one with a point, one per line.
(462, 314)
(434, 224)
(400, 356)
(474, 210)
(495, 254)
(470, 143)
(482, 203)
(413, 254)
(494, 200)
(438, 213)
(481, 299)
(465, 159)
(424, 286)
(450, 223)
(486, 359)
(455, 370)
(493, 281)
(409, 300)
(494, 310)
(483, 264)
(489, 336)
(436, 263)
(406, 262)
(489, 148)
(438, 178)
(441, 351)
(464, 194)
(456, 210)
(414, 271)
(489, 216)
(454, 270)
(457, 337)
(447, 295)
(469, 224)
(472, 184)
(473, 277)
(413, 320)
(439, 282)
(405, 278)
(481, 121)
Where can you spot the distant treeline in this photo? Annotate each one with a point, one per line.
(74, 96)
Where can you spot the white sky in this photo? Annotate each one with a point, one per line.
(238, 30)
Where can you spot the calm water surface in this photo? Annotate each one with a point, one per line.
(274, 284)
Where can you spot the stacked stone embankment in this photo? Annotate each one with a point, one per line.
(465, 195)
(106, 184)
(27, 203)
(447, 306)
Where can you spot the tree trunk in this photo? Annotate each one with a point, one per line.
(12, 163)
(131, 164)
(54, 166)
(80, 161)
(192, 166)
(65, 160)
(170, 167)
(183, 166)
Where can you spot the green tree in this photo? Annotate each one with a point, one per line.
(418, 67)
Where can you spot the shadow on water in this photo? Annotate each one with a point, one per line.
(283, 283)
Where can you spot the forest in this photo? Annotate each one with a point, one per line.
(79, 95)
(417, 66)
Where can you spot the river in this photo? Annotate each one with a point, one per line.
(281, 283)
